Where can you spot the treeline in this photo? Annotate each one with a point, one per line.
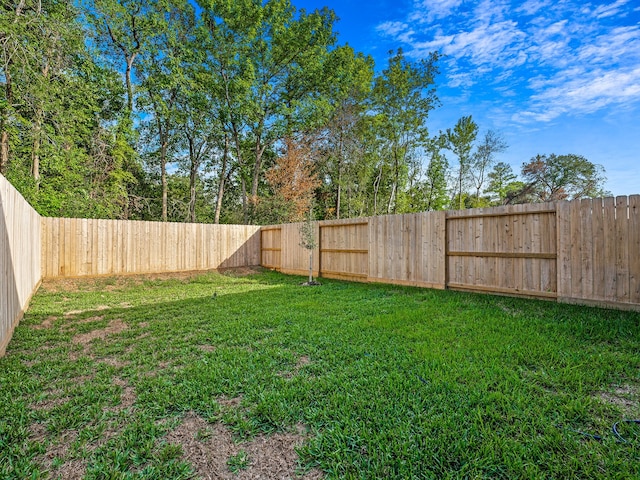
(243, 111)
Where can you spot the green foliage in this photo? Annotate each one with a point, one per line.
(559, 177)
(402, 98)
(168, 110)
(238, 462)
(460, 141)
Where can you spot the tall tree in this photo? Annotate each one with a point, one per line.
(501, 182)
(435, 182)
(293, 182)
(558, 177)
(460, 141)
(164, 70)
(124, 28)
(278, 57)
(350, 80)
(403, 96)
(484, 158)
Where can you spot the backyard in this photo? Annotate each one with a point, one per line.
(248, 374)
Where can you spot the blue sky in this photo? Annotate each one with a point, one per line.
(552, 76)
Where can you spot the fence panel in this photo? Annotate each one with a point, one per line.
(86, 247)
(270, 247)
(408, 249)
(344, 249)
(503, 250)
(600, 251)
(294, 259)
(20, 258)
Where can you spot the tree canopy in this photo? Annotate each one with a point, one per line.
(243, 111)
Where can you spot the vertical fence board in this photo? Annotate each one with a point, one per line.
(610, 249)
(598, 234)
(576, 250)
(622, 250)
(634, 249)
(586, 230)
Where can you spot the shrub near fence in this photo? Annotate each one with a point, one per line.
(20, 254)
(583, 251)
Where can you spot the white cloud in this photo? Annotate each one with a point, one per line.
(483, 45)
(609, 10)
(401, 31)
(428, 10)
(392, 28)
(620, 43)
(533, 6)
(560, 56)
(585, 93)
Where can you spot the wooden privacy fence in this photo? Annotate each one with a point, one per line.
(33, 248)
(20, 254)
(77, 247)
(583, 251)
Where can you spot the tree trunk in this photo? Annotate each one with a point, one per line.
(257, 167)
(339, 189)
(163, 178)
(376, 187)
(310, 267)
(35, 152)
(4, 150)
(338, 192)
(245, 212)
(223, 176)
(129, 61)
(4, 133)
(193, 175)
(391, 205)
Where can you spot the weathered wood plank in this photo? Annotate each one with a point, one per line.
(634, 249)
(586, 230)
(610, 277)
(622, 250)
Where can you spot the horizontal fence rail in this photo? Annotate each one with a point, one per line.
(582, 251)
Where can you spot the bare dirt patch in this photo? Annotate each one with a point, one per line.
(240, 271)
(99, 308)
(71, 469)
(128, 395)
(208, 447)
(206, 348)
(115, 326)
(114, 362)
(50, 403)
(46, 323)
(38, 432)
(229, 402)
(302, 361)
(625, 397)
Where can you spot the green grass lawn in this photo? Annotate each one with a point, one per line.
(179, 378)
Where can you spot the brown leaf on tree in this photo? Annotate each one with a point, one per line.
(293, 179)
